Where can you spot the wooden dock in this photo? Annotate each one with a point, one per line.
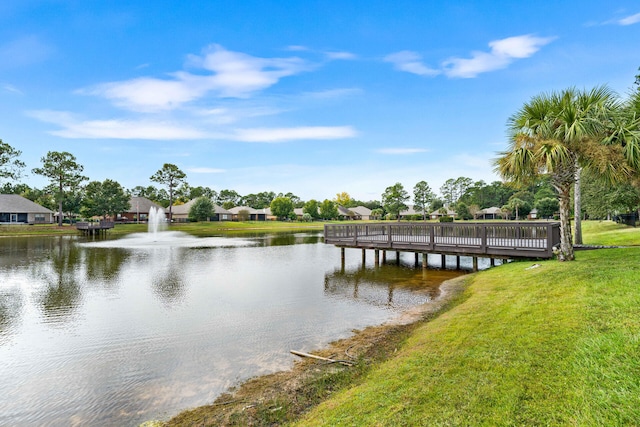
(504, 240)
(94, 228)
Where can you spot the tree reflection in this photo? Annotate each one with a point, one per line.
(62, 294)
(168, 280)
(104, 265)
(11, 302)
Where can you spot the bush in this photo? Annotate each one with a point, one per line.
(446, 218)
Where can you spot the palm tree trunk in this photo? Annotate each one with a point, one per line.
(566, 246)
(577, 207)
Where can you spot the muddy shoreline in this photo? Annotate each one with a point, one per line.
(284, 396)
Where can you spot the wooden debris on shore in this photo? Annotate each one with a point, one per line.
(326, 359)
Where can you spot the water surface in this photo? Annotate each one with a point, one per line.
(119, 332)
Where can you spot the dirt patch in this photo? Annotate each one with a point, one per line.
(284, 396)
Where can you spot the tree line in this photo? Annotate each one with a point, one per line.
(70, 193)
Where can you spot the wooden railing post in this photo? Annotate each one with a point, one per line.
(432, 234)
(483, 238)
(390, 242)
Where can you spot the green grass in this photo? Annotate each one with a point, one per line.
(196, 228)
(554, 345)
(609, 233)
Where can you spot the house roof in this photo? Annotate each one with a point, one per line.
(492, 210)
(141, 204)
(450, 212)
(410, 211)
(14, 203)
(344, 211)
(185, 208)
(237, 209)
(361, 210)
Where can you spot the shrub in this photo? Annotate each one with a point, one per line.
(446, 218)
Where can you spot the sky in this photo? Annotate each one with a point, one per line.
(309, 97)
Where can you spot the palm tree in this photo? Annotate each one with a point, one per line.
(559, 132)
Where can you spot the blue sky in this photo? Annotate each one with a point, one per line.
(311, 97)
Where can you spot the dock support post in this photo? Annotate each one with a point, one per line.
(443, 261)
(397, 257)
(493, 262)
(342, 255)
(384, 256)
(417, 261)
(364, 256)
(457, 262)
(376, 257)
(424, 261)
(475, 263)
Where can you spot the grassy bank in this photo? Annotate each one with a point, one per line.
(203, 229)
(554, 345)
(609, 233)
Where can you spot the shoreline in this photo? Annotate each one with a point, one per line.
(284, 396)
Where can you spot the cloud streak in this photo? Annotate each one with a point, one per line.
(401, 151)
(630, 20)
(294, 133)
(147, 129)
(73, 128)
(410, 62)
(502, 53)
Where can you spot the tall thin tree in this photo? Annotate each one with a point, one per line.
(64, 173)
(171, 176)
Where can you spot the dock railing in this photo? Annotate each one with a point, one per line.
(503, 239)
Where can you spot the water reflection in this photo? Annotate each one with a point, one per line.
(283, 238)
(168, 276)
(104, 266)
(141, 331)
(11, 303)
(377, 286)
(62, 293)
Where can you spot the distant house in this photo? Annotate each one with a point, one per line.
(15, 209)
(139, 208)
(254, 214)
(437, 214)
(361, 212)
(299, 213)
(409, 213)
(344, 213)
(489, 213)
(533, 214)
(181, 212)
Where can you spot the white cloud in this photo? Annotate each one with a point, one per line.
(630, 20)
(71, 127)
(294, 133)
(401, 151)
(11, 88)
(227, 74)
(503, 52)
(410, 62)
(340, 55)
(205, 170)
(333, 93)
(297, 48)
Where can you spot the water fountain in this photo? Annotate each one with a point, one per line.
(157, 236)
(157, 221)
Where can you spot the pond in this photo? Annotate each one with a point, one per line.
(116, 332)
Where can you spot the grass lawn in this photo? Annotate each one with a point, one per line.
(553, 345)
(195, 228)
(609, 233)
